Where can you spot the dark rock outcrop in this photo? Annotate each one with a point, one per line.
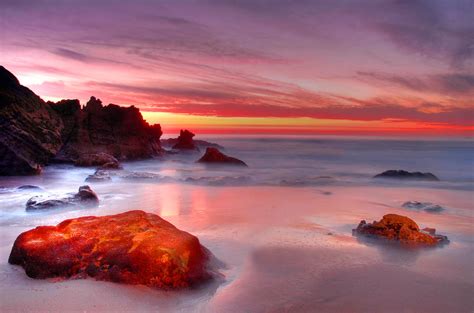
(118, 131)
(30, 131)
(33, 133)
(132, 248)
(111, 166)
(214, 156)
(399, 228)
(96, 159)
(401, 174)
(201, 144)
(85, 197)
(185, 141)
(425, 206)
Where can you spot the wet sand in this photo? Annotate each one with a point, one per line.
(284, 249)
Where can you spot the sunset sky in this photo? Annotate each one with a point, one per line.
(248, 66)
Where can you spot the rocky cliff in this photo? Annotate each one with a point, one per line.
(30, 130)
(33, 132)
(112, 129)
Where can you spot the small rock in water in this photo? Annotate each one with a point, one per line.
(425, 206)
(140, 175)
(170, 142)
(86, 194)
(401, 174)
(185, 141)
(132, 248)
(214, 156)
(111, 166)
(399, 228)
(85, 197)
(99, 176)
(29, 187)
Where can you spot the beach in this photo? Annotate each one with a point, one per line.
(280, 230)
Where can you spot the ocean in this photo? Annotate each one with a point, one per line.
(281, 228)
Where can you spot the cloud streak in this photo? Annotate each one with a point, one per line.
(450, 83)
(360, 60)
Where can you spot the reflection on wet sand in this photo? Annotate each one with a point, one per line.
(284, 249)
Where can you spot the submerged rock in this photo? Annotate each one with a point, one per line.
(97, 159)
(401, 174)
(185, 141)
(140, 176)
(30, 187)
(214, 156)
(425, 206)
(219, 180)
(308, 181)
(132, 248)
(111, 166)
(30, 130)
(99, 176)
(399, 228)
(85, 197)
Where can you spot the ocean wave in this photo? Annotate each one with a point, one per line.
(308, 181)
(219, 180)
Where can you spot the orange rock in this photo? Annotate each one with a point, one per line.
(401, 228)
(132, 247)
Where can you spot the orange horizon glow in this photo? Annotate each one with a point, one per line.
(365, 67)
(172, 123)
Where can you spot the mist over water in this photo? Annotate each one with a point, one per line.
(282, 227)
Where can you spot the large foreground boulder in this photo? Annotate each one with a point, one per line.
(85, 197)
(120, 132)
(214, 156)
(401, 174)
(399, 228)
(132, 247)
(30, 130)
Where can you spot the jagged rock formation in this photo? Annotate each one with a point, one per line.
(401, 174)
(132, 248)
(114, 130)
(399, 228)
(30, 131)
(214, 156)
(185, 141)
(200, 144)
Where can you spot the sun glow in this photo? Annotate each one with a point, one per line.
(172, 122)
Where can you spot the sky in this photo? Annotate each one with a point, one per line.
(254, 66)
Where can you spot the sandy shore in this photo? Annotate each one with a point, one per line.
(285, 249)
